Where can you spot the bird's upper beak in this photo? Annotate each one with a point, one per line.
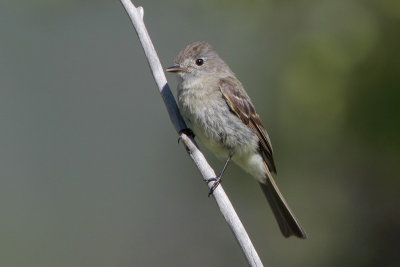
(175, 69)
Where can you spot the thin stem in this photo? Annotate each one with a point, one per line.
(225, 206)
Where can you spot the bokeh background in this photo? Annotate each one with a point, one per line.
(90, 170)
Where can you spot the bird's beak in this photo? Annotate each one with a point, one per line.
(175, 69)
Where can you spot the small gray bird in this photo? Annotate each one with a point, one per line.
(218, 110)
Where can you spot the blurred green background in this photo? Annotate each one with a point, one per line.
(90, 170)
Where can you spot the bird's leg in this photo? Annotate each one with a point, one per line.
(217, 180)
(186, 131)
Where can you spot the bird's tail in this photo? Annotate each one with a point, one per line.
(287, 221)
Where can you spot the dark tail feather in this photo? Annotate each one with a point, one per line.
(288, 223)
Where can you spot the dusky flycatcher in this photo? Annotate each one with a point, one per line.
(218, 110)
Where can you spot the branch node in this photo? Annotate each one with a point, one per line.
(141, 11)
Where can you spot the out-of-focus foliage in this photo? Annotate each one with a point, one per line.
(90, 171)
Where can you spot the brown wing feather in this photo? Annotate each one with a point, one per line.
(239, 102)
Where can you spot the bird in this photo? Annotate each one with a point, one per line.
(219, 112)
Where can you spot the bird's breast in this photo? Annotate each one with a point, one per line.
(208, 115)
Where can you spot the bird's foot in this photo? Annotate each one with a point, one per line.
(217, 180)
(186, 131)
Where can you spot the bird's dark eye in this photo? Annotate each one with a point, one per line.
(199, 61)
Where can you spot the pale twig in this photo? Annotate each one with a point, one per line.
(225, 206)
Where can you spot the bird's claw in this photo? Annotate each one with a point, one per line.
(217, 180)
(186, 131)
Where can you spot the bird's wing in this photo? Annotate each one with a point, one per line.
(240, 104)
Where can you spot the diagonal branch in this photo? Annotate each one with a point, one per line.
(225, 206)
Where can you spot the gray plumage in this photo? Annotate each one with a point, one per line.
(216, 107)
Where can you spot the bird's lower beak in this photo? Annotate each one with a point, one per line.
(175, 69)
